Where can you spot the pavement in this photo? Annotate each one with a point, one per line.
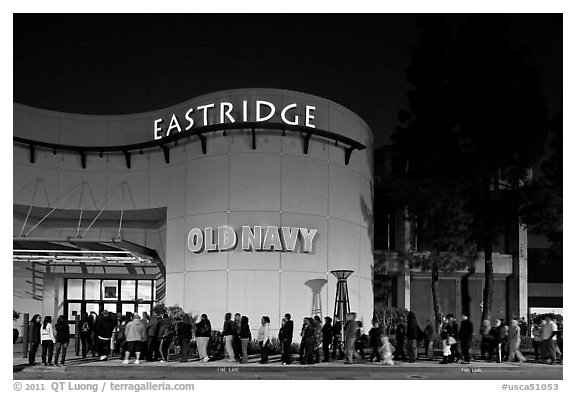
(113, 369)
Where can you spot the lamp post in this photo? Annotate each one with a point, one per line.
(342, 302)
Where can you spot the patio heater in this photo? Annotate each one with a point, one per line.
(342, 302)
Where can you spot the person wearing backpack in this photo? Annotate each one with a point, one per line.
(86, 329)
(165, 334)
(203, 331)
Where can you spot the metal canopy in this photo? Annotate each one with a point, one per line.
(57, 251)
(349, 145)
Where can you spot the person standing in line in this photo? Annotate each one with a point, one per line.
(153, 343)
(465, 336)
(34, 339)
(375, 341)
(104, 327)
(400, 333)
(337, 338)
(309, 341)
(93, 337)
(236, 343)
(134, 332)
(86, 329)
(536, 339)
(486, 341)
(350, 331)
(549, 329)
(453, 332)
(48, 339)
(62, 339)
(317, 338)
(428, 339)
(523, 327)
(326, 338)
(412, 336)
(245, 337)
(203, 331)
(514, 353)
(556, 337)
(228, 331)
(165, 335)
(303, 341)
(498, 334)
(264, 339)
(446, 353)
(145, 319)
(286, 341)
(184, 329)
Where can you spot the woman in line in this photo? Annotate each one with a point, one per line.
(62, 338)
(264, 339)
(228, 331)
(34, 338)
(203, 331)
(184, 329)
(48, 339)
(165, 337)
(245, 337)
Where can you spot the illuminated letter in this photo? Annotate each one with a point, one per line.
(205, 109)
(157, 129)
(290, 236)
(309, 116)
(272, 110)
(209, 239)
(308, 237)
(244, 111)
(195, 240)
(173, 124)
(272, 239)
(227, 113)
(189, 118)
(251, 240)
(226, 238)
(283, 115)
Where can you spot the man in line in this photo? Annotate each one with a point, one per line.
(549, 330)
(104, 329)
(465, 337)
(287, 333)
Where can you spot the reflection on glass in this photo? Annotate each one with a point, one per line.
(142, 308)
(110, 289)
(144, 290)
(92, 290)
(74, 288)
(128, 288)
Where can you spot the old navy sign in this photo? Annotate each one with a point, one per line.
(257, 238)
(226, 113)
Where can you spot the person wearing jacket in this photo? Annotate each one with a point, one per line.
(264, 339)
(375, 341)
(93, 337)
(153, 324)
(86, 329)
(317, 338)
(48, 339)
(203, 331)
(326, 338)
(428, 339)
(536, 339)
(133, 333)
(412, 336)
(465, 335)
(337, 338)
(184, 330)
(144, 318)
(486, 340)
(287, 332)
(62, 339)
(236, 343)
(245, 337)
(350, 334)
(228, 331)
(165, 337)
(34, 338)
(104, 328)
(498, 335)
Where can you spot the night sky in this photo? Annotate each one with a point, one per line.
(120, 64)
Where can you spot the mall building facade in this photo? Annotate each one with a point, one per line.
(236, 201)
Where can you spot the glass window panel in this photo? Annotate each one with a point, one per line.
(144, 290)
(74, 288)
(93, 307)
(127, 307)
(92, 290)
(128, 288)
(110, 289)
(143, 308)
(73, 310)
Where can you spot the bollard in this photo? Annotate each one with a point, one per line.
(77, 335)
(25, 326)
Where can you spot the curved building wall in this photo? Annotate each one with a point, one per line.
(231, 185)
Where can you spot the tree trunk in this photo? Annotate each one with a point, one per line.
(436, 297)
(488, 267)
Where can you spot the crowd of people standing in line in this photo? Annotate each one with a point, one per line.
(149, 337)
